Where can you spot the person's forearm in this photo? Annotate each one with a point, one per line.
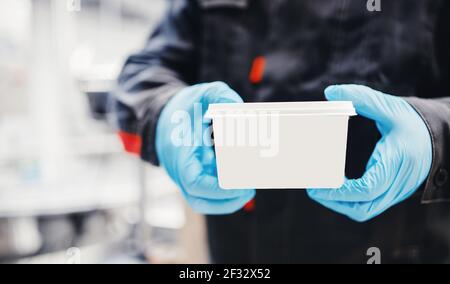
(436, 114)
(152, 76)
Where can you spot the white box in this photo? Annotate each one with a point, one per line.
(280, 145)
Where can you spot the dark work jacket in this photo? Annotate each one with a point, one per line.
(403, 50)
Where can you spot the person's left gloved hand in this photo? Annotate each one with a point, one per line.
(399, 164)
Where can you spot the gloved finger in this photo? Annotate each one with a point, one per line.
(207, 158)
(377, 179)
(219, 92)
(363, 211)
(205, 152)
(207, 132)
(354, 210)
(219, 207)
(367, 102)
(196, 181)
(366, 188)
(357, 211)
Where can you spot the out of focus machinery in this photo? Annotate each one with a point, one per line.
(68, 193)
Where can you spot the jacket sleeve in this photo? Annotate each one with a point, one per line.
(436, 114)
(152, 76)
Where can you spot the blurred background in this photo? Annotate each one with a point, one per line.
(68, 191)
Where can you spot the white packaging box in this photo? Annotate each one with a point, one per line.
(280, 145)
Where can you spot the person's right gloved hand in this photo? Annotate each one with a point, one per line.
(193, 167)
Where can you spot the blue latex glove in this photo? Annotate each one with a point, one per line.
(400, 163)
(193, 167)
